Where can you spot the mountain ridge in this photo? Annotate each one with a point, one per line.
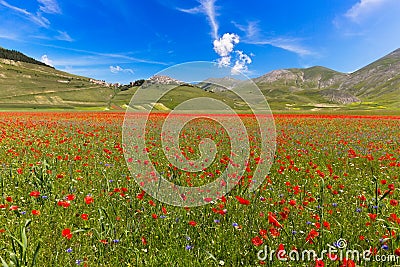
(375, 86)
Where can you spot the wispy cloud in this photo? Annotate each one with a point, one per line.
(37, 18)
(100, 57)
(118, 69)
(251, 30)
(291, 45)
(253, 35)
(364, 8)
(208, 8)
(49, 6)
(9, 36)
(64, 36)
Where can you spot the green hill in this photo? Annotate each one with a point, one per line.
(27, 83)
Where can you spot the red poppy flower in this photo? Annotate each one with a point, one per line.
(397, 251)
(394, 202)
(34, 194)
(274, 232)
(164, 210)
(144, 241)
(141, 195)
(257, 241)
(70, 197)
(64, 204)
(9, 199)
(88, 200)
(36, 212)
(327, 225)
(84, 216)
(67, 233)
(242, 200)
(272, 220)
(319, 263)
(372, 216)
(192, 223)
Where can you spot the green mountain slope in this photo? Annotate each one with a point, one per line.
(29, 84)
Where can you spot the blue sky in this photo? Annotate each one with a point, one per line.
(125, 40)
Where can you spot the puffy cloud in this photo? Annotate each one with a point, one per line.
(46, 60)
(241, 62)
(224, 45)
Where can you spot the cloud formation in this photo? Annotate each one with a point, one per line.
(253, 36)
(46, 60)
(224, 47)
(208, 8)
(37, 18)
(288, 44)
(118, 69)
(49, 6)
(241, 63)
(64, 36)
(363, 8)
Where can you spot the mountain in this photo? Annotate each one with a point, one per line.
(376, 86)
(377, 82)
(27, 83)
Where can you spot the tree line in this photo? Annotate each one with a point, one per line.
(18, 56)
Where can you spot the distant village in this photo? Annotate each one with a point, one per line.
(117, 85)
(157, 79)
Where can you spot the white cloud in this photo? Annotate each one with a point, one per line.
(241, 62)
(64, 36)
(208, 8)
(291, 45)
(35, 18)
(118, 69)
(250, 30)
(49, 6)
(46, 60)
(224, 45)
(364, 8)
(253, 36)
(9, 36)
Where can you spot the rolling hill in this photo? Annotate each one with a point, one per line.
(25, 83)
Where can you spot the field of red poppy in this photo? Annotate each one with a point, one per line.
(68, 198)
